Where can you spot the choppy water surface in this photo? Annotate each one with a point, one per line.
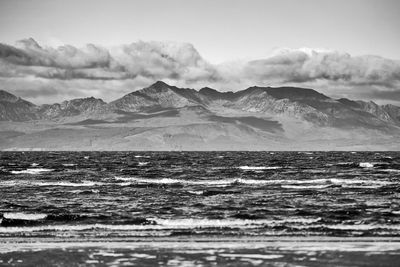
(199, 194)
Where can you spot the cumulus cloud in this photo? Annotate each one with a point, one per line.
(52, 73)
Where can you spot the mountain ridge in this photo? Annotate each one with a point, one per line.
(278, 100)
(165, 116)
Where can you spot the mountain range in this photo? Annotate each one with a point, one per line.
(165, 117)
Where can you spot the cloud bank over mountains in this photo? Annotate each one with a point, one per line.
(48, 74)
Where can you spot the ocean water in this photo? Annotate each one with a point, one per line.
(181, 196)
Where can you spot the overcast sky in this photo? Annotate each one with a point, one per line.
(220, 29)
(344, 48)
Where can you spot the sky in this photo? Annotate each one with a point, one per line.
(220, 29)
(223, 43)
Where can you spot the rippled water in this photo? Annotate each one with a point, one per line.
(93, 194)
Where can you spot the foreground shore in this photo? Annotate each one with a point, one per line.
(201, 251)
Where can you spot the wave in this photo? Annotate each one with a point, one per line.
(28, 183)
(32, 171)
(250, 168)
(67, 184)
(24, 216)
(251, 256)
(389, 170)
(305, 186)
(12, 219)
(232, 181)
(354, 227)
(164, 224)
(69, 164)
(222, 182)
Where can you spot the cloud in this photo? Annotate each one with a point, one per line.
(43, 73)
(299, 66)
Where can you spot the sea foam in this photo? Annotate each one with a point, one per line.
(32, 171)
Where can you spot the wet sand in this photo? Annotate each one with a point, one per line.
(226, 251)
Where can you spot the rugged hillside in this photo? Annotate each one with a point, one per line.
(81, 106)
(13, 108)
(164, 117)
(158, 95)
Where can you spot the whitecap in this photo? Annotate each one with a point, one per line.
(258, 168)
(28, 183)
(67, 184)
(32, 171)
(232, 181)
(162, 224)
(222, 182)
(34, 164)
(24, 216)
(366, 165)
(216, 223)
(305, 186)
(69, 164)
(252, 256)
(143, 163)
(196, 192)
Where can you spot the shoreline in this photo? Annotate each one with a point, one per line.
(208, 239)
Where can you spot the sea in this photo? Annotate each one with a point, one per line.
(200, 208)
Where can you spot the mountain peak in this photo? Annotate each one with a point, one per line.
(159, 84)
(28, 43)
(6, 96)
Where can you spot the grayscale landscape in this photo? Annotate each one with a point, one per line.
(200, 133)
(164, 117)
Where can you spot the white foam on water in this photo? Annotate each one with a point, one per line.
(196, 192)
(252, 256)
(345, 163)
(161, 224)
(67, 184)
(366, 165)
(258, 168)
(305, 186)
(143, 163)
(24, 216)
(68, 164)
(231, 181)
(142, 255)
(353, 227)
(222, 182)
(32, 171)
(207, 223)
(28, 183)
